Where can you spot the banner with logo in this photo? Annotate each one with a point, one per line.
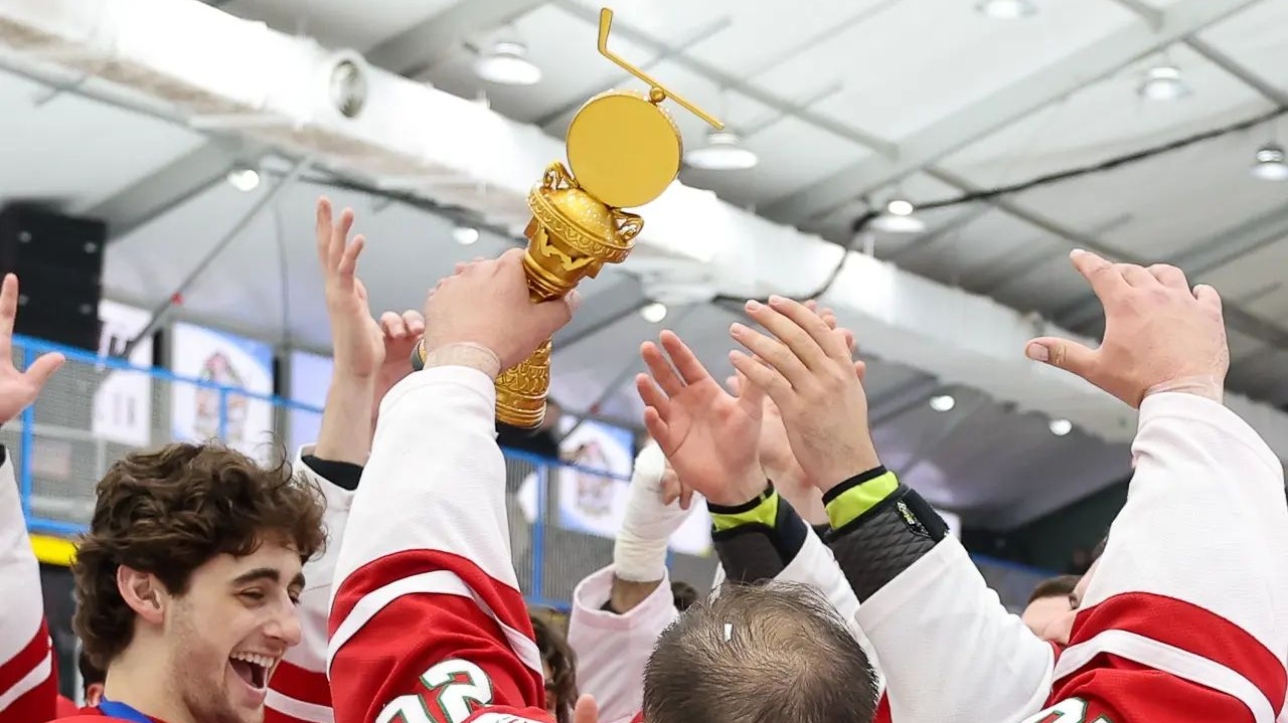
(199, 413)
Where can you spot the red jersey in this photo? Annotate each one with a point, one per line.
(427, 622)
(28, 683)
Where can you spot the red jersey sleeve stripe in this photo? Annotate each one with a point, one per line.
(310, 686)
(1181, 639)
(361, 597)
(27, 681)
(279, 708)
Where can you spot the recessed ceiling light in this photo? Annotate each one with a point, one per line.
(943, 403)
(1061, 427)
(1008, 9)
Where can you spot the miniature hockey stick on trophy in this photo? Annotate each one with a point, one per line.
(624, 151)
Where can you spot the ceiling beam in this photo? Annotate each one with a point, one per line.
(420, 47)
(729, 82)
(167, 188)
(1006, 106)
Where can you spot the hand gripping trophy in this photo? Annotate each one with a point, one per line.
(623, 150)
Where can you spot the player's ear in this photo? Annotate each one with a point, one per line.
(143, 592)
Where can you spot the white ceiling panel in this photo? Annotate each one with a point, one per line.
(1255, 270)
(768, 32)
(903, 73)
(1108, 119)
(50, 155)
(1254, 39)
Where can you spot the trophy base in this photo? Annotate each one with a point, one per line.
(521, 391)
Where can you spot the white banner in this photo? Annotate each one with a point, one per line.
(123, 400)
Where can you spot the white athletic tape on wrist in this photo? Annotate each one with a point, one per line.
(639, 554)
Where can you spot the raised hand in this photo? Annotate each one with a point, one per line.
(708, 435)
(486, 304)
(357, 339)
(1159, 334)
(776, 455)
(399, 334)
(806, 369)
(18, 389)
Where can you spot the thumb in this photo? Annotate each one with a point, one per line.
(44, 367)
(586, 710)
(554, 314)
(1068, 355)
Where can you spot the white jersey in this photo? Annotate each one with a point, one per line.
(299, 691)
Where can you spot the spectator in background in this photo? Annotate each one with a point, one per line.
(1049, 604)
(685, 595)
(1079, 562)
(560, 664)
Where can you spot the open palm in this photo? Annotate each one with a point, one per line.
(708, 435)
(357, 340)
(18, 389)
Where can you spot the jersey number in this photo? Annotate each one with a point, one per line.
(456, 688)
(1072, 710)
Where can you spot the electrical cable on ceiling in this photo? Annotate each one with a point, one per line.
(862, 222)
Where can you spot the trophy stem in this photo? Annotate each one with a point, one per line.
(521, 391)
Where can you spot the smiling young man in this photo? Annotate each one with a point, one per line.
(187, 583)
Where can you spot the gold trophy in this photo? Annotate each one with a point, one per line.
(624, 151)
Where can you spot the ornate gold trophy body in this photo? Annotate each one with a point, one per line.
(623, 150)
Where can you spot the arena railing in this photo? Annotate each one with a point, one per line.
(88, 417)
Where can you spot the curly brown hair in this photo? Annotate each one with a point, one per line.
(556, 653)
(170, 511)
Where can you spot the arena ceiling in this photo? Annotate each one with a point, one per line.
(846, 103)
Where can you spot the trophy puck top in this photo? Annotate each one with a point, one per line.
(624, 150)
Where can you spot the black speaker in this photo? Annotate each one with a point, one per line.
(59, 262)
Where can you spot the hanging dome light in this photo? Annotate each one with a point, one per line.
(244, 179)
(654, 312)
(943, 403)
(723, 152)
(1271, 164)
(1008, 9)
(465, 235)
(1163, 82)
(507, 64)
(899, 218)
